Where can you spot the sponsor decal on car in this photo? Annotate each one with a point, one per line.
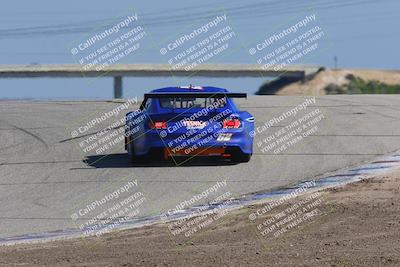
(194, 124)
(223, 137)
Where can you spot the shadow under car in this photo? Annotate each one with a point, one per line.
(121, 160)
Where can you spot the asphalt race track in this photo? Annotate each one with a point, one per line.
(45, 176)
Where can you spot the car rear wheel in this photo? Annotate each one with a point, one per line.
(241, 157)
(131, 152)
(130, 149)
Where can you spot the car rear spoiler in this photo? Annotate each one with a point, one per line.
(195, 94)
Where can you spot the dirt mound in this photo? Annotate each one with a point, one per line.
(327, 81)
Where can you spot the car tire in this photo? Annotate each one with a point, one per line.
(156, 155)
(241, 157)
(131, 153)
(130, 150)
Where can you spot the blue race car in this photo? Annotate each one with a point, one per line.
(189, 121)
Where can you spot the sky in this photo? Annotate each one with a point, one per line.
(360, 33)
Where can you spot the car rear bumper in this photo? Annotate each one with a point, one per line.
(209, 145)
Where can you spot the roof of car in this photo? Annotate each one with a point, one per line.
(190, 89)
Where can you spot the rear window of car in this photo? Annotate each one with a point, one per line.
(192, 102)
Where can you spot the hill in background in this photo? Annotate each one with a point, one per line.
(327, 81)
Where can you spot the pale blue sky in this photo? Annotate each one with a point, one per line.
(362, 33)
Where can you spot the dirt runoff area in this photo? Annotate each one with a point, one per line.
(354, 225)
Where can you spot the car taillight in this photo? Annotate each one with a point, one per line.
(158, 125)
(231, 123)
